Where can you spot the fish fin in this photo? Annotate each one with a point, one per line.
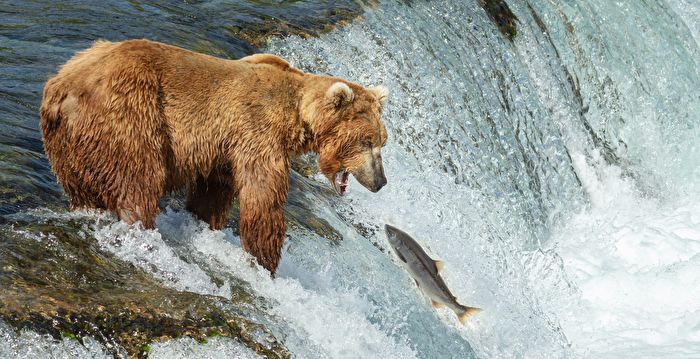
(417, 284)
(439, 265)
(468, 312)
(437, 304)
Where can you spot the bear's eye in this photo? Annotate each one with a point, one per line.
(367, 143)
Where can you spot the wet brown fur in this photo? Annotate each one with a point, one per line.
(124, 123)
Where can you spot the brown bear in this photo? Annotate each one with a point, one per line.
(123, 123)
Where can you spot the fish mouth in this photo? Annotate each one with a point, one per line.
(340, 182)
(391, 234)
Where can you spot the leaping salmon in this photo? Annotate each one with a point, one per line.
(426, 272)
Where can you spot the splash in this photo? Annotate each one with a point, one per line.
(181, 246)
(634, 261)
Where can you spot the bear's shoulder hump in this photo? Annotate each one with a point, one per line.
(269, 59)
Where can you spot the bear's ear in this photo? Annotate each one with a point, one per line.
(340, 94)
(380, 92)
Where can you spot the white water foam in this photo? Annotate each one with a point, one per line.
(29, 345)
(635, 262)
(333, 324)
(214, 348)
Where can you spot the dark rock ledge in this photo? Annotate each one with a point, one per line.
(500, 14)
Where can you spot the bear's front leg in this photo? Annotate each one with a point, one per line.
(262, 218)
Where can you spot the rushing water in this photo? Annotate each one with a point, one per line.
(555, 176)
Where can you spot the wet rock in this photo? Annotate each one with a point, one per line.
(306, 165)
(305, 196)
(305, 19)
(500, 14)
(56, 281)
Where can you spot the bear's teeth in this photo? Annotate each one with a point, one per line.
(341, 182)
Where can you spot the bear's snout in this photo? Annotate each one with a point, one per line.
(371, 174)
(379, 181)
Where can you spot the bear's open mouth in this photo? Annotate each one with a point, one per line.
(340, 182)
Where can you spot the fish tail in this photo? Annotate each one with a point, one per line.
(466, 313)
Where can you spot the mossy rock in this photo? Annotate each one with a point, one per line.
(56, 281)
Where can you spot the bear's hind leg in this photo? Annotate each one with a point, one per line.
(139, 204)
(135, 194)
(80, 195)
(210, 198)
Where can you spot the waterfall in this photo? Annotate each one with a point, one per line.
(506, 160)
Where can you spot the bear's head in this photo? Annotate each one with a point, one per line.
(348, 132)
